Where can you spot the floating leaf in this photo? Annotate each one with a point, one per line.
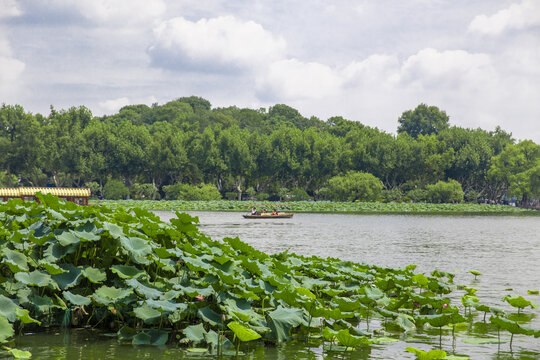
(19, 354)
(427, 355)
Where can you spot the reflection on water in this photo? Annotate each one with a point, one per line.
(505, 249)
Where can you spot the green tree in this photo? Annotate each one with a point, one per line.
(115, 190)
(423, 120)
(518, 166)
(354, 186)
(445, 192)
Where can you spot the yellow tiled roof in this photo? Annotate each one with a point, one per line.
(31, 191)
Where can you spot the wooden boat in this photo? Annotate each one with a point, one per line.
(269, 216)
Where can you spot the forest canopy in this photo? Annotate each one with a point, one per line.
(263, 153)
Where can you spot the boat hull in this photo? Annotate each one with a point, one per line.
(269, 216)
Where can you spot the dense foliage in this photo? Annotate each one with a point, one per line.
(154, 283)
(268, 151)
(322, 207)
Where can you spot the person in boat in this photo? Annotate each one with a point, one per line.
(253, 211)
(274, 212)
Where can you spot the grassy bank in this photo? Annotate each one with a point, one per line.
(321, 207)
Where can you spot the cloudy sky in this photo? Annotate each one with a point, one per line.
(365, 60)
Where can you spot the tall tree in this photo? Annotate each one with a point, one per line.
(423, 120)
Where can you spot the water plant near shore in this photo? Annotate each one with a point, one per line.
(124, 270)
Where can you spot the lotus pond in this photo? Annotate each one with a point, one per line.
(130, 285)
(320, 207)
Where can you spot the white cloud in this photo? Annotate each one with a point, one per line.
(442, 69)
(9, 8)
(293, 80)
(515, 17)
(121, 12)
(218, 43)
(112, 106)
(10, 70)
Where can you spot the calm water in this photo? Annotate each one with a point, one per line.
(505, 249)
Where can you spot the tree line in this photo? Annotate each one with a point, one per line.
(265, 153)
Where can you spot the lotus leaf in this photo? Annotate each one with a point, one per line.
(66, 237)
(24, 317)
(511, 326)
(348, 340)
(242, 332)
(165, 306)
(107, 295)
(87, 232)
(147, 314)
(519, 302)
(114, 230)
(195, 333)
(94, 275)
(35, 278)
(210, 316)
(15, 260)
(128, 272)
(68, 279)
(75, 299)
(8, 308)
(151, 337)
(6, 329)
(143, 290)
(19, 354)
(136, 247)
(51, 268)
(282, 320)
(126, 333)
(427, 355)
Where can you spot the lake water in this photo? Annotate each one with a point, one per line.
(505, 249)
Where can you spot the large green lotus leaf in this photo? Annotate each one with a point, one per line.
(142, 338)
(511, 326)
(69, 279)
(94, 275)
(75, 299)
(305, 292)
(519, 301)
(241, 309)
(24, 317)
(114, 230)
(7, 308)
(347, 304)
(170, 295)
(195, 333)
(6, 329)
(242, 332)
(51, 268)
(210, 316)
(147, 314)
(87, 232)
(55, 215)
(193, 291)
(329, 334)
(66, 237)
(107, 295)
(196, 264)
(420, 279)
(348, 340)
(15, 260)
(165, 306)
(35, 278)
(427, 355)
(43, 304)
(282, 320)
(157, 337)
(143, 290)
(406, 322)
(128, 272)
(136, 247)
(55, 252)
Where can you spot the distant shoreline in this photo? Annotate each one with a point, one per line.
(366, 208)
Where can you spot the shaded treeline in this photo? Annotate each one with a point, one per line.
(188, 141)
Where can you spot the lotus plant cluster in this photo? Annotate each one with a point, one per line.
(152, 282)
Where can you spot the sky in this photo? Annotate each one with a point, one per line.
(365, 60)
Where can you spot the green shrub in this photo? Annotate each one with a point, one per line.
(445, 192)
(354, 186)
(94, 188)
(115, 190)
(394, 194)
(418, 195)
(192, 192)
(231, 195)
